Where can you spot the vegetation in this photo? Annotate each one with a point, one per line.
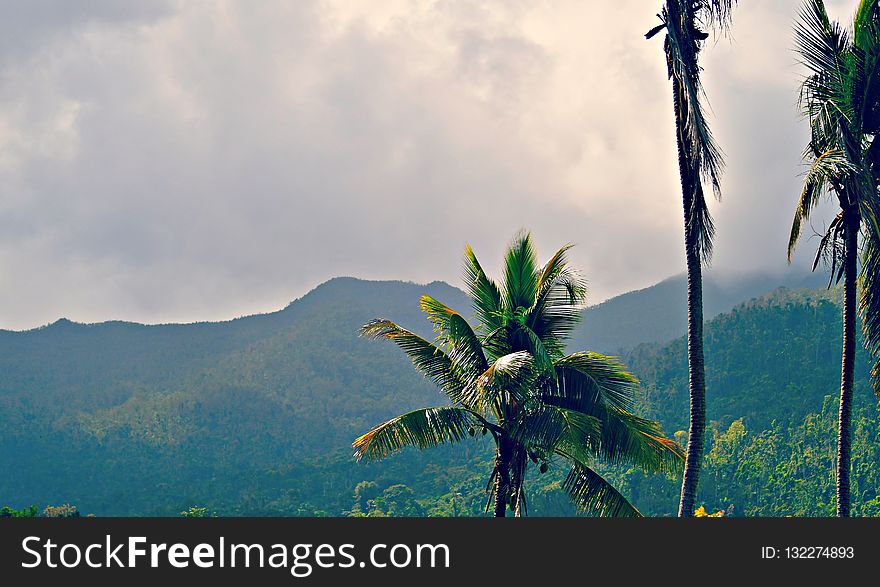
(799, 359)
(156, 453)
(841, 99)
(656, 315)
(197, 512)
(28, 512)
(699, 159)
(395, 501)
(512, 380)
(63, 511)
(254, 416)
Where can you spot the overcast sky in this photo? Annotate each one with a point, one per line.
(182, 161)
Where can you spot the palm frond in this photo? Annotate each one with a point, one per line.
(592, 494)
(866, 66)
(542, 349)
(559, 301)
(509, 378)
(588, 378)
(483, 292)
(831, 250)
(869, 300)
(715, 14)
(600, 387)
(683, 43)
(513, 373)
(627, 438)
(520, 274)
(821, 42)
(699, 223)
(825, 168)
(423, 428)
(498, 343)
(427, 358)
(552, 269)
(545, 426)
(463, 346)
(828, 95)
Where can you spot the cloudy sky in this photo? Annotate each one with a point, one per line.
(181, 161)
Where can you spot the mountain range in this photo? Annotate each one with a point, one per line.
(256, 415)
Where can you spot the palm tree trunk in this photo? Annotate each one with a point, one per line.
(518, 477)
(696, 371)
(500, 500)
(853, 223)
(697, 388)
(502, 479)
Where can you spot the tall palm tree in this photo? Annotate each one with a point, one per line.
(509, 377)
(841, 99)
(699, 159)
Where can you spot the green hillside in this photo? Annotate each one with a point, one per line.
(255, 416)
(131, 419)
(773, 358)
(658, 314)
(773, 377)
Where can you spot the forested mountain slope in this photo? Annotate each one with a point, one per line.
(256, 415)
(658, 314)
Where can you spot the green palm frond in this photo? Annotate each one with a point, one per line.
(559, 301)
(511, 376)
(588, 378)
(627, 438)
(841, 97)
(624, 438)
(821, 42)
(558, 307)
(545, 427)
(825, 169)
(555, 266)
(427, 358)
(540, 348)
(463, 346)
(483, 292)
(866, 21)
(592, 494)
(520, 274)
(423, 428)
(498, 342)
(825, 50)
(600, 387)
(866, 66)
(869, 297)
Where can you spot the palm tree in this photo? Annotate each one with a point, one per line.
(841, 99)
(699, 159)
(509, 377)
